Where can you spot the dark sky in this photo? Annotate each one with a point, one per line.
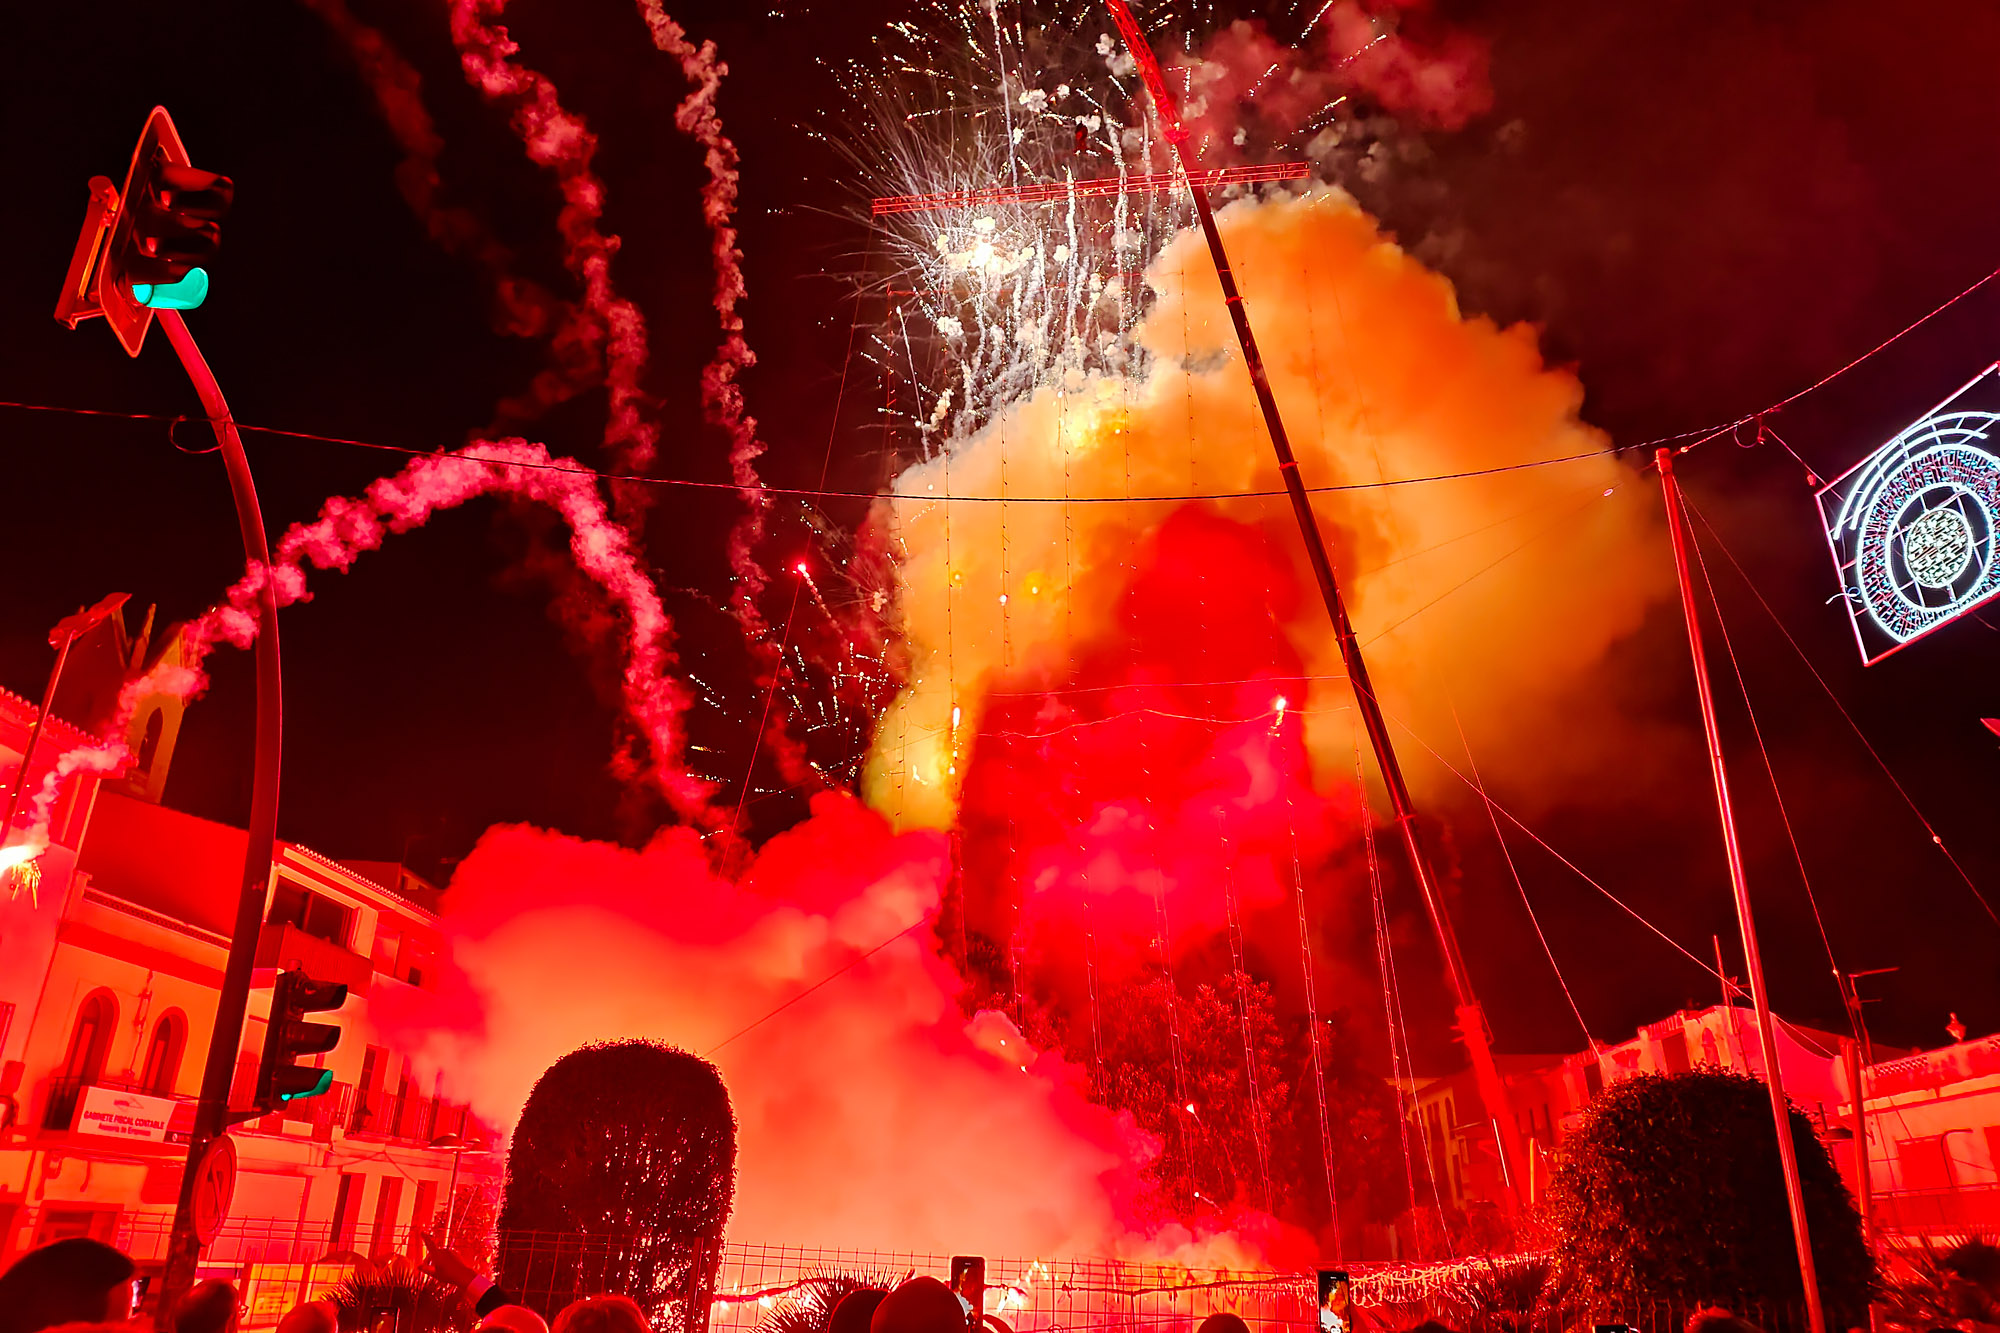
(1704, 209)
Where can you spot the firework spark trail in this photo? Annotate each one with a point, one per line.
(349, 527)
(559, 140)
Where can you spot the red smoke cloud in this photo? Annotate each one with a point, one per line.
(1440, 77)
(1393, 52)
(872, 1113)
(1164, 761)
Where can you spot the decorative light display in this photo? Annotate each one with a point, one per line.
(1912, 525)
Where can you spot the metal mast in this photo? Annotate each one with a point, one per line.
(1754, 961)
(1471, 1018)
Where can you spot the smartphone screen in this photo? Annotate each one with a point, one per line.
(1334, 1315)
(968, 1283)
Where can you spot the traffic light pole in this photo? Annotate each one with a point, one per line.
(1471, 1017)
(226, 1036)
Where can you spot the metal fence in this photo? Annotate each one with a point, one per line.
(785, 1289)
(763, 1288)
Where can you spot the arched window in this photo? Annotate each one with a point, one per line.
(163, 1054)
(149, 744)
(84, 1065)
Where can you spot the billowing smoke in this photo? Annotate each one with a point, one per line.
(1141, 708)
(1420, 68)
(1120, 692)
(1394, 54)
(1493, 594)
(872, 1114)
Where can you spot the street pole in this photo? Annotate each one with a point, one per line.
(451, 1196)
(28, 750)
(1753, 960)
(212, 1110)
(1864, 1189)
(1471, 1017)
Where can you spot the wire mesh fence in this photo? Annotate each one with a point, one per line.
(769, 1288)
(787, 1289)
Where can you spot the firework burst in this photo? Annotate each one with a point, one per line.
(989, 302)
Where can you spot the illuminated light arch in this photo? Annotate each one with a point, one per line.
(1915, 527)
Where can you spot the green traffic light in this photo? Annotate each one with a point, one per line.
(324, 1083)
(186, 294)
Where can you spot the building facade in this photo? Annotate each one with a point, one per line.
(1929, 1147)
(1934, 1141)
(111, 964)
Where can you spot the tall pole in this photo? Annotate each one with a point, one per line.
(28, 750)
(211, 1119)
(1864, 1188)
(1860, 1054)
(1753, 960)
(1471, 1018)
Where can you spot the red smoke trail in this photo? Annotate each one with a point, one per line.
(721, 391)
(521, 307)
(559, 140)
(721, 394)
(346, 528)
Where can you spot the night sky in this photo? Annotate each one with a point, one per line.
(1703, 209)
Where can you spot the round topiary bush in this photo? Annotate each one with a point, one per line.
(1671, 1190)
(619, 1179)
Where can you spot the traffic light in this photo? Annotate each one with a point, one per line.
(279, 1079)
(141, 246)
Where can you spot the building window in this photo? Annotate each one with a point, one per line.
(70, 1223)
(369, 1110)
(149, 745)
(163, 1054)
(1676, 1053)
(315, 914)
(423, 1213)
(388, 1201)
(347, 1210)
(1923, 1163)
(84, 1064)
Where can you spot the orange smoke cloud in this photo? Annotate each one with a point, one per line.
(1494, 595)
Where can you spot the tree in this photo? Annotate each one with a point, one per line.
(619, 1180)
(415, 1301)
(1671, 1189)
(1206, 1123)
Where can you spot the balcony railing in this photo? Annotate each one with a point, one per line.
(413, 1119)
(1969, 1210)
